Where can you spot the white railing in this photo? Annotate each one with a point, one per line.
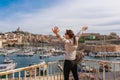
(90, 70)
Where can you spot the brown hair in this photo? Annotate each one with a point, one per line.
(71, 35)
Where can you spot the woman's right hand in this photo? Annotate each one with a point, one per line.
(55, 30)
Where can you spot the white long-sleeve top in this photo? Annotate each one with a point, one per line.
(70, 48)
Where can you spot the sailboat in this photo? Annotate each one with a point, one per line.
(41, 69)
(45, 54)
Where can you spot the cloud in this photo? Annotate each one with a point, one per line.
(100, 16)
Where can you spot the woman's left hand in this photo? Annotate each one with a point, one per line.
(84, 28)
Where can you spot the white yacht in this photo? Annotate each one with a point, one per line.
(7, 64)
(39, 70)
(43, 68)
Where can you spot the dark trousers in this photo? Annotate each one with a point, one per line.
(70, 65)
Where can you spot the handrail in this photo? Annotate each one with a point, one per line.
(95, 69)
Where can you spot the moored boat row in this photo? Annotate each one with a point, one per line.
(105, 54)
(26, 53)
(8, 51)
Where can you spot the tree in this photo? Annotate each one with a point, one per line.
(92, 36)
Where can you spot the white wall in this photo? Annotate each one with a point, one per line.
(0, 44)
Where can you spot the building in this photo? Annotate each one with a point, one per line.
(103, 48)
(14, 39)
(89, 35)
(1, 44)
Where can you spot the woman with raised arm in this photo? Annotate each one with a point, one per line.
(71, 44)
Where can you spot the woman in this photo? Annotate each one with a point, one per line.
(71, 44)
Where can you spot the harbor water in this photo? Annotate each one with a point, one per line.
(24, 61)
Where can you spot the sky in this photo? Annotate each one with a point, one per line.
(40, 16)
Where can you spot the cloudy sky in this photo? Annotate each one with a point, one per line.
(40, 16)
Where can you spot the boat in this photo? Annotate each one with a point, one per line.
(7, 64)
(117, 58)
(56, 52)
(6, 52)
(45, 55)
(107, 67)
(3, 52)
(40, 70)
(83, 67)
(26, 53)
(107, 54)
(43, 68)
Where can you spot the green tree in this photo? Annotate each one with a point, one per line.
(92, 37)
